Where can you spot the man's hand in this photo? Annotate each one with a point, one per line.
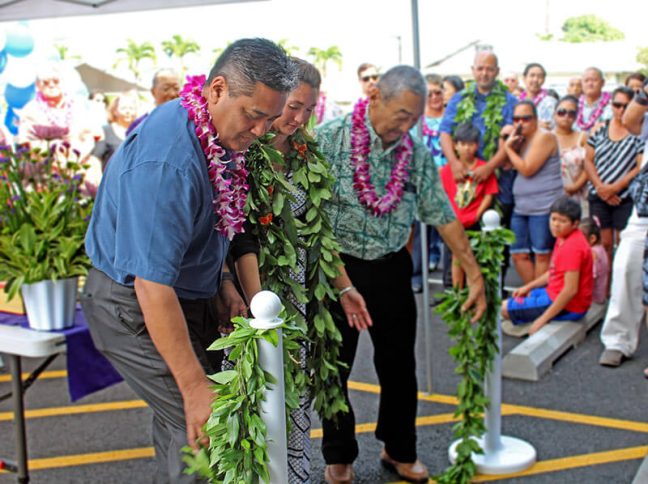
(476, 298)
(458, 171)
(355, 308)
(197, 408)
(229, 304)
(482, 173)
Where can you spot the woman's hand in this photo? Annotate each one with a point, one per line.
(607, 193)
(355, 308)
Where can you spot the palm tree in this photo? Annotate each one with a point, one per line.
(321, 57)
(179, 47)
(290, 49)
(64, 52)
(134, 53)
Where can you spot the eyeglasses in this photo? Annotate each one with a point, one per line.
(619, 105)
(435, 93)
(562, 112)
(373, 77)
(523, 119)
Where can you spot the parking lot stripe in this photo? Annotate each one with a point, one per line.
(44, 375)
(76, 409)
(566, 463)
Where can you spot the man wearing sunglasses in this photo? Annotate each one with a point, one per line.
(367, 77)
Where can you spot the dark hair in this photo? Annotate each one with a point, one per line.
(553, 93)
(399, 79)
(568, 207)
(307, 73)
(637, 76)
(527, 102)
(364, 66)
(467, 133)
(567, 98)
(590, 227)
(433, 79)
(455, 81)
(531, 66)
(623, 90)
(248, 61)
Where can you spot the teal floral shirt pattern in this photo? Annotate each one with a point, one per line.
(360, 233)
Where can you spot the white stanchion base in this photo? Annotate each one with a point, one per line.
(514, 455)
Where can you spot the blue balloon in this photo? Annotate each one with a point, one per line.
(17, 97)
(11, 121)
(20, 42)
(3, 61)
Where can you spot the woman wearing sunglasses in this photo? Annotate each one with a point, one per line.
(534, 154)
(612, 160)
(572, 152)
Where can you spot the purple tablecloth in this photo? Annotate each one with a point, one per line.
(88, 370)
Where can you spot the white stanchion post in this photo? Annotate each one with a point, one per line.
(265, 308)
(502, 455)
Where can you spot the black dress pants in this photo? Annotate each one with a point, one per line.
(385, 285)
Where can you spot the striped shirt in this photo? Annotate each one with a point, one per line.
(614, 159)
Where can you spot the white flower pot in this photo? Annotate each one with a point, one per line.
(50, 305)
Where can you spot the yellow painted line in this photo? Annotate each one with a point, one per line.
(76, 409)
(574, 462)
(508, 409)
(94, 458)
(45, 375)
(567, 463)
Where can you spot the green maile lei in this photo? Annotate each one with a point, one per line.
(474, 350)
(238, 449)
(237, 452)
(280, 234)
(492, 115)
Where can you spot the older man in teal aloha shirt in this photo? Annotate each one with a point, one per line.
(378, 265)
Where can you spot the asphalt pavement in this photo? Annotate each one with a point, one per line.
(588, 423)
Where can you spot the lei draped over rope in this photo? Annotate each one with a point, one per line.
(492, 115)
(280, 235)
(360, 150)
(226, 170)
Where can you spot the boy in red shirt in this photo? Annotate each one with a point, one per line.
(470, 199)
(564, 292)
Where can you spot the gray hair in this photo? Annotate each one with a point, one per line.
(165, 71)
(248, 61)
(399, 79)
(597, 70)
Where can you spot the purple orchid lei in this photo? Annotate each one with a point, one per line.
(360, 149)
(537, 99)
(230, 192)
(580, 121)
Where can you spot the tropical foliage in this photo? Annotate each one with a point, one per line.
(133, 54)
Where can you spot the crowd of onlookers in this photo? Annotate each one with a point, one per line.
(538, 147)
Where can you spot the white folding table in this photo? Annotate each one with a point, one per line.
(16, 343)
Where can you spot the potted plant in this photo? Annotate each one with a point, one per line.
(44, 214)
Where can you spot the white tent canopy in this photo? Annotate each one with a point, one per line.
(33, 9)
